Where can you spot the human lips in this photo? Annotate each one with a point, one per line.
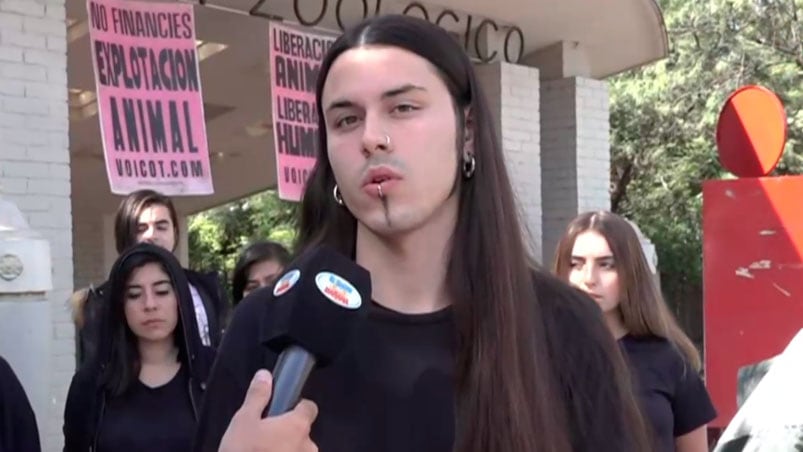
(153, 323)
(379, 175)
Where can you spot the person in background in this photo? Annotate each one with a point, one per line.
(259, 265)
(467, 345)
(150, 217)
(600, 253)
(143, 389)
(18, 430)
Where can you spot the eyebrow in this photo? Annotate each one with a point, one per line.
(401, 90)
(387, 94)
(599, 258)
(139, 286)
(158, 223)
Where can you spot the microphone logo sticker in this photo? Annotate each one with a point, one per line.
(338, 290)
(286, 283)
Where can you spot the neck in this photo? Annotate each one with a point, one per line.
(158, 352)
(408, 271)
(615, 324)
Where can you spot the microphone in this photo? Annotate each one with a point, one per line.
(316, 306)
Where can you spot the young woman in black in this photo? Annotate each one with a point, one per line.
(600, 253)
(146, 216)
(143, 389)
(259, 264)
(467, 346)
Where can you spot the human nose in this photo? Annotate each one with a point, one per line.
(375, 136)
(148, 233)
(149, 302)
(589, 275)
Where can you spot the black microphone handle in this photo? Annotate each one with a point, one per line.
(289, 376)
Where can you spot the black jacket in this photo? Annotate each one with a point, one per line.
(208, 285)
(86, 399)
(18, 431)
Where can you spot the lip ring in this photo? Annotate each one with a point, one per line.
(380, 172)
(380, 190)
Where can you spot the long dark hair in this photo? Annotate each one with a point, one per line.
(643, 309)
(126, 219)
(507, 390)
(254, 253)
(123, 360)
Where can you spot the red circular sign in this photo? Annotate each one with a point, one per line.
(751, 132)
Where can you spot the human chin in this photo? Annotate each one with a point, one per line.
(388, 220)
(153, 334)
(608, 305)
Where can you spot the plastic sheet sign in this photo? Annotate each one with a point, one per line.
(149, 97)
(295, 60)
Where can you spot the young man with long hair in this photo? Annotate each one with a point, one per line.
(467, 346)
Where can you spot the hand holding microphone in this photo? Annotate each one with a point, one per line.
(249, 432)
(315, 308)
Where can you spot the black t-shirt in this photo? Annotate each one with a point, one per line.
(407, 365)
(672, 394)
(149, 419)
(18, 431)
(393, 388)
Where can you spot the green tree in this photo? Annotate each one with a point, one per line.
(663, 120)
(216, 236)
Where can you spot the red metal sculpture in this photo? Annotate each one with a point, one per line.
(752, 246)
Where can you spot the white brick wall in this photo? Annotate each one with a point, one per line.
(576, 153)
(521, 141)
(593, 144)
(513, 95)
(34, 166)
(89, 236)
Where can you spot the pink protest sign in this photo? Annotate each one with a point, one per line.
(149, 97)
(295, 60)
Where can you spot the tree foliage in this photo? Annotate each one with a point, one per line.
(216, 236)
(663, 120)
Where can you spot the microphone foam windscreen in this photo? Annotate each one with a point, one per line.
(317, 304)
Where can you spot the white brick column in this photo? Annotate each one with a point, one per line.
(35, 169)
(575, 150)
(93, 235)
(513, 95)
